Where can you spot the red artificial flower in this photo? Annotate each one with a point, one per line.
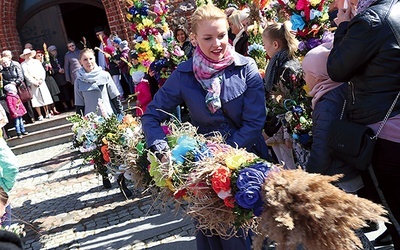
(229, 201)
(104, 151)
(180, 193)
(221, 180)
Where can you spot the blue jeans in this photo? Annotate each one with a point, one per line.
(19, 125)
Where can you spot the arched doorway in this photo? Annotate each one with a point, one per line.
(41, 22)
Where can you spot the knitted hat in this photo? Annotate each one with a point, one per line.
(123, 44)
(10, 88)
(117, 40)
(109, 49)
(137, 76)
(51, 48)
(28, 52)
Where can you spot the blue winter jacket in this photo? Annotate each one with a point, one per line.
(327, 109)
(242, 96)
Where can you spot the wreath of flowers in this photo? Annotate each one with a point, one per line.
(227, 189)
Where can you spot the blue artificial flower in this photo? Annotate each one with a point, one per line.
(249, 182)
(297, 22)
(248, 197)
(249, 175)
(184, 145)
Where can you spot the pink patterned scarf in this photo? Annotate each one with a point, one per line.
(209, 73)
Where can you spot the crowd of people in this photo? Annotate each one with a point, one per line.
(356, 76)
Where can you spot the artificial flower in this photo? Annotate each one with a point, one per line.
(297, 22)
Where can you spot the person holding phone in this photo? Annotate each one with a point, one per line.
(366, 53)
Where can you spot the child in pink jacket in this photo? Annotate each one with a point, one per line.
(16, 107)
(142, 91)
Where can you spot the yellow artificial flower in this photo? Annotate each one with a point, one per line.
(315, 2)
(165, 27)
(325, 17)
(104, 140)
(235, 161)
(147, 22)
(169, 184)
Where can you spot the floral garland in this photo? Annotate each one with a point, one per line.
(228, 189)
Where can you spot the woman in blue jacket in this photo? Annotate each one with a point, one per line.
(223, 92)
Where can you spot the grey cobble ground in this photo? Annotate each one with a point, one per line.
(63, 205)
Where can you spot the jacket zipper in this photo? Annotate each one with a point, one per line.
(353, 96)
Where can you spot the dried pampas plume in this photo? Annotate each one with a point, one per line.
(306, 208)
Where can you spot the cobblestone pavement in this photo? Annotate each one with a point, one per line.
(64, 206)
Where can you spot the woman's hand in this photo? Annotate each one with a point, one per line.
(343, 15)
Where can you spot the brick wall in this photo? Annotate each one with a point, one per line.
(9, 38)
(180, 12)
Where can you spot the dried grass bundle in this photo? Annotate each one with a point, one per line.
(306, 208)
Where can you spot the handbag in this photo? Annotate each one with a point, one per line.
(354, 143)
(24, 92)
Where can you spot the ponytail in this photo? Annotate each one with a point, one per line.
(281, 32)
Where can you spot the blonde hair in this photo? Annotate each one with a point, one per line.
(238, 16)
(281, 32)
(85, 50)
(207, 12)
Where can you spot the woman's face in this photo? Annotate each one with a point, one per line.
(234, 28)
(180, 36)
(212, 38)
(6, 62)
(270, 46)
(39, 56)
(88, 61)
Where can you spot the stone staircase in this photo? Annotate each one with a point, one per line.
(42, 134)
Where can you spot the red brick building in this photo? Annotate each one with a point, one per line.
(54, 22)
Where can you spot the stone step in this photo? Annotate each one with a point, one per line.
(42, 143)
(40, 134)
(45, 124)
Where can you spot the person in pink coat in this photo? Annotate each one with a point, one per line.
(17, 109)
(142, 91)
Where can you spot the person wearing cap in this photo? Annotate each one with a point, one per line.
(238, 22)
(102, 60)
(136, 65)
(35, 76)
(71, 65)
(66, 89)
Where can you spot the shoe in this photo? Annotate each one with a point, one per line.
(19, 136)
(122, 186)
(106, 182)
(56, 112)
(40, 118)
(49, 116)
(383, 240)
(25, 133)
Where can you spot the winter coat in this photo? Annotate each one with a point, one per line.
(142, 89)
(242, 96)
(57, 64)
(369, 58)
(12, 74)
(327, 109)
(15, 105)
(71, 65)
(92, 86)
